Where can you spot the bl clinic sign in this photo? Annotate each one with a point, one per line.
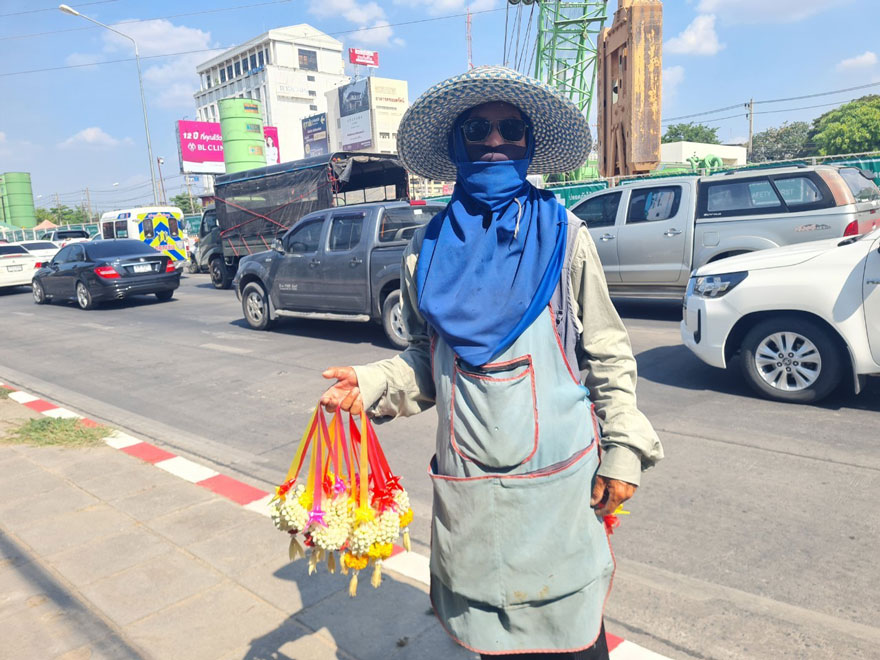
(201, 146)
(369, 58)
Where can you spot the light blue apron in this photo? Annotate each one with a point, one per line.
(519, 561)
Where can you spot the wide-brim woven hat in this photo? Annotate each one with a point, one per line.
(561, 133)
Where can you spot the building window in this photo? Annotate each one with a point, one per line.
(312, 92)
(313, 108)
(310, 78)
(394, 136)
(229, 72)
(384, 136)
(260, 54)
(222, 75)
(244, 64)
(308, 60)
(268, 59)
(254, 61)
(257, 93)
(237, 68)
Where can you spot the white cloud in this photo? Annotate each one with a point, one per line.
(95, 137)
(867, 60)
(2, 137)
(673, 76)
(172, 82)
(698, 38)
(370, 18)
(767, 11)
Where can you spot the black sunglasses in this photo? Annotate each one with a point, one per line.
(478, 129)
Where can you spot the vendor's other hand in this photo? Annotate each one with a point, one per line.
(608, 494)
(345, 394)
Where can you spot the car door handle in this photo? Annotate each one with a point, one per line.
(606, 237)
(314, 263)
(672, 232)
(356, 262)
(873, 281)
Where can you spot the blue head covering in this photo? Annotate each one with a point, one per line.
(492, 258)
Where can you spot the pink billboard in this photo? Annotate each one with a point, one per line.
(360, 56)
(201, 146)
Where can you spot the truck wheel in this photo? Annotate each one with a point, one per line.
(392, 321)
(192, 266)
(220, 277)
(792, 359)
(255, 305)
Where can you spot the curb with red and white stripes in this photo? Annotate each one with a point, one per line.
(409, 564)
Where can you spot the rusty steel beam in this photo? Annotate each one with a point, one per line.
(629, 68)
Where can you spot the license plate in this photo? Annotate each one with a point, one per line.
(13, 269)
(142, 268)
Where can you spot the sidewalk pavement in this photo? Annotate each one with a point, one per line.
(102, 555)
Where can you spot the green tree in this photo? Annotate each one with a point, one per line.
(182, 201)
(691, 132)
(852, 128)
(64, 215)
(43, 214)
(781, 143)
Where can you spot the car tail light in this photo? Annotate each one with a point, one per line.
(38, 264)
(107, 272)
(418, 202)
(169, 267)
(852, 229)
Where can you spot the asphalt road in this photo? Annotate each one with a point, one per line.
(757, 536)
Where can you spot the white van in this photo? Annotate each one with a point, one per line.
(160, 227)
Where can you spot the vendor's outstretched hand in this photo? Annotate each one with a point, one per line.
(344, 394)
(608, 494)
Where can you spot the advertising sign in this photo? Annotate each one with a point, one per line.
(354, 116)
(315, 139)
(201, 147)
(363, 57)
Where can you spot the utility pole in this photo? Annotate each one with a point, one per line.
(89, 202)
(192, 206)
(751, 128)
(160, 161)
(469, 40)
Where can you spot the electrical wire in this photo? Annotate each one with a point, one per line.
(224, 48)
(525, 49)
(812, 96)
(142, 20)
(55, 8)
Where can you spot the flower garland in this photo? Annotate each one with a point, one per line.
(350, 503)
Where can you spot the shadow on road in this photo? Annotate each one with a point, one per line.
(348, 332)
(676, 366)
(651, 310)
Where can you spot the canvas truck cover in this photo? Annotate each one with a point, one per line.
(263, 203)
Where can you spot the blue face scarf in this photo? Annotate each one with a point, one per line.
(492, 258)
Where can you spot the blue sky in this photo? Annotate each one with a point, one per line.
(81, 127)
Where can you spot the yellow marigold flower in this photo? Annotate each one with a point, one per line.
(406, 518)
(364, 514)
(355, 562)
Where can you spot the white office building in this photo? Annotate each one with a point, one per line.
(290, 70)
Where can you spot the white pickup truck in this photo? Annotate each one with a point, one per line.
(652, 233)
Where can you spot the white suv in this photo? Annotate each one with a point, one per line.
(797, 319)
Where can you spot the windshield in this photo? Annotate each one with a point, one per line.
(863, 188)
(12, 249)
(40, 245)
(400, 222)
(115, 248)
(73, 233)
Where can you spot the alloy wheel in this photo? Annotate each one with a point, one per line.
(788, 361)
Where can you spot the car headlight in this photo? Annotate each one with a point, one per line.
(715, 286)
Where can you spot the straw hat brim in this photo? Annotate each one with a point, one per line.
(562, 134)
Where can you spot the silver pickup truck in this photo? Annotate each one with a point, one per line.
(652, 233)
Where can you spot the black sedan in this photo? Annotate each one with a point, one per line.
(91, 272)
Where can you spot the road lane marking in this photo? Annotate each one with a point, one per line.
(24, 313)
(96, 326)
(226, 349)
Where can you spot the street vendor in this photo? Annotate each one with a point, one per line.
(505, 304)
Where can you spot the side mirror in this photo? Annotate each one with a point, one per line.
(278, 246)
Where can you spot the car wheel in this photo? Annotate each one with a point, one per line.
(255, 306)
(792, 359)
(392, 321)
(164, 295)
(220, 277)
(192, 267)
(39, 293)
(84, 296)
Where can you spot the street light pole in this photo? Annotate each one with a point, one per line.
(73, 12)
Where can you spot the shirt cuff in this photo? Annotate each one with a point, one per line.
(621, 463)
(372, 383)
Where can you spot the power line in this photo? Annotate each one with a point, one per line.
(706, 112)
(55, 8)
(141, 20)
(811, 96)
(224, 48)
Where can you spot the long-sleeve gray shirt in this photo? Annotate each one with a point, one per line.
(403, 385)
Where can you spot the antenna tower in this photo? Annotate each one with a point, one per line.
(469, 41)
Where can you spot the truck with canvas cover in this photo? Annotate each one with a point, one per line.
(255, 207)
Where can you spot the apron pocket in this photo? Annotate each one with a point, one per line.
(494, 420)
(519, 540)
